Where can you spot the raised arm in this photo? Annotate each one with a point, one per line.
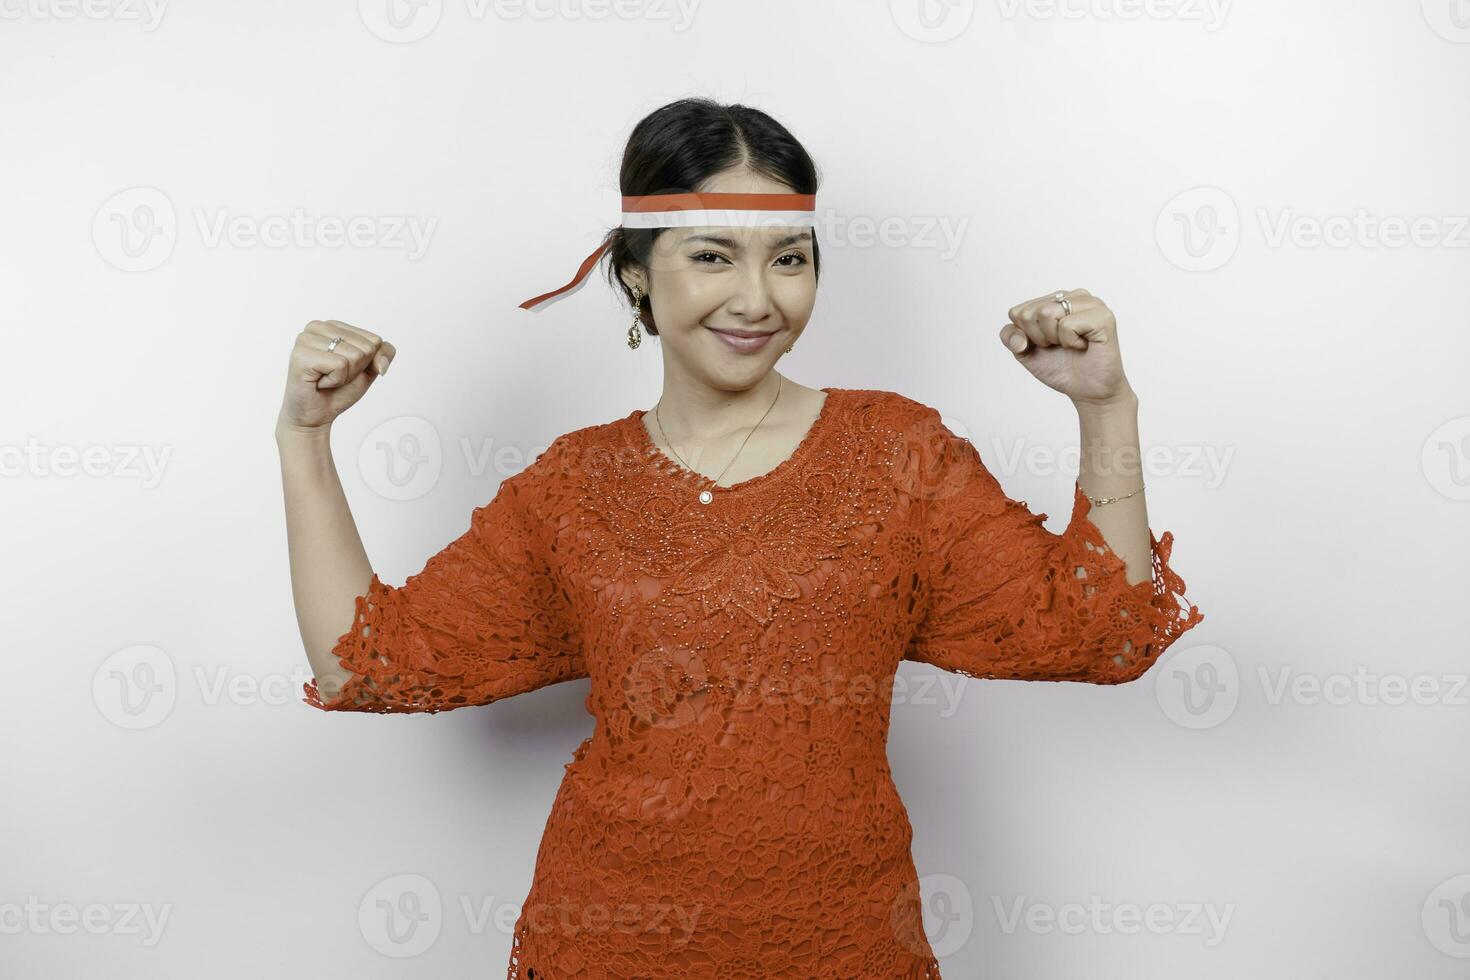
(329, 567)
(1005, 597)
(486, 618)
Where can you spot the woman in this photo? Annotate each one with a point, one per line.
(739, 571)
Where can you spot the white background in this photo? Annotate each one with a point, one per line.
(1305, 397)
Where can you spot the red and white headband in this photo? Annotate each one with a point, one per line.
(690, 211)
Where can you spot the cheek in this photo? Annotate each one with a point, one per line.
(688, 298)
(795, 297)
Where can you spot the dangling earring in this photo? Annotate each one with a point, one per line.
(635, 336)
(788, 350)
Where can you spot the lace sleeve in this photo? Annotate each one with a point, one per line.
(1003, 597)
(484, 620)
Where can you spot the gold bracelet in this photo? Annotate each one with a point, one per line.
(1099, 501)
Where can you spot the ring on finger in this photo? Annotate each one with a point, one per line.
(333, 345)
(1061, 297)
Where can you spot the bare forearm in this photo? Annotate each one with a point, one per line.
(329, 567)
(1111, 466)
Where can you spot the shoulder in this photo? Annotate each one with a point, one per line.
(541, 489)
(557, 463)
(562, 466)
(926, 456)
(891, 411)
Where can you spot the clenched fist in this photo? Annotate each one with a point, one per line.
(1070, 347)
(323, 383)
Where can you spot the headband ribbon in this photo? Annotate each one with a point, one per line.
(692, 210)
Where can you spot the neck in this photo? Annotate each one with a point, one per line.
(691, 409)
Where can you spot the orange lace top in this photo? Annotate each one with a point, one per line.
(733, 815)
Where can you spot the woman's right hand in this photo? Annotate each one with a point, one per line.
(322, 384)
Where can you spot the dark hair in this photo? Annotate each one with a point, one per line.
(678, 146)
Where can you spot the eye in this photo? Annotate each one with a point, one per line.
(800, 258)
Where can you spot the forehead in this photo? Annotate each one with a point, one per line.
(767, 236)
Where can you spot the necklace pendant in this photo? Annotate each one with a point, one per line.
(705, 496)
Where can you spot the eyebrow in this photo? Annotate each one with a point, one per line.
(730, 243)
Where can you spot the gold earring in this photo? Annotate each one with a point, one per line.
(635, 336)
(788, 350)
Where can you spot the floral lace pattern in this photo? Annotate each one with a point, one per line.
(733, 815)
(1006, 598)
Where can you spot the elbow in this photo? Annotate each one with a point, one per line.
(1128, 657)
(337, 691)
(328, 691)
(1108, 664)
(1121, 669)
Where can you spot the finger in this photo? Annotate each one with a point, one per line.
(372, 342)
(1049, 313)
(334, 328)
(366, 340)
(1019, 310)
(346, 346)
(1052, 302)
(1024, 317)
(1015, 340)
(1068, 336)
(1056, 318)
(354, 359)
(386, 353)
(1038, 331)
(319, 367)
(1094, 326)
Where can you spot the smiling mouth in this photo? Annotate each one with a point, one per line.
(742, 333)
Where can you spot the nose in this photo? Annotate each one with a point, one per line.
(751, 298)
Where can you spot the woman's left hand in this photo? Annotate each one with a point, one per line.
(1075, 353)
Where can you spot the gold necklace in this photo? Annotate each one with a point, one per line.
(706, 496)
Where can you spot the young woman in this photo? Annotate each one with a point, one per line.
(739, 571)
